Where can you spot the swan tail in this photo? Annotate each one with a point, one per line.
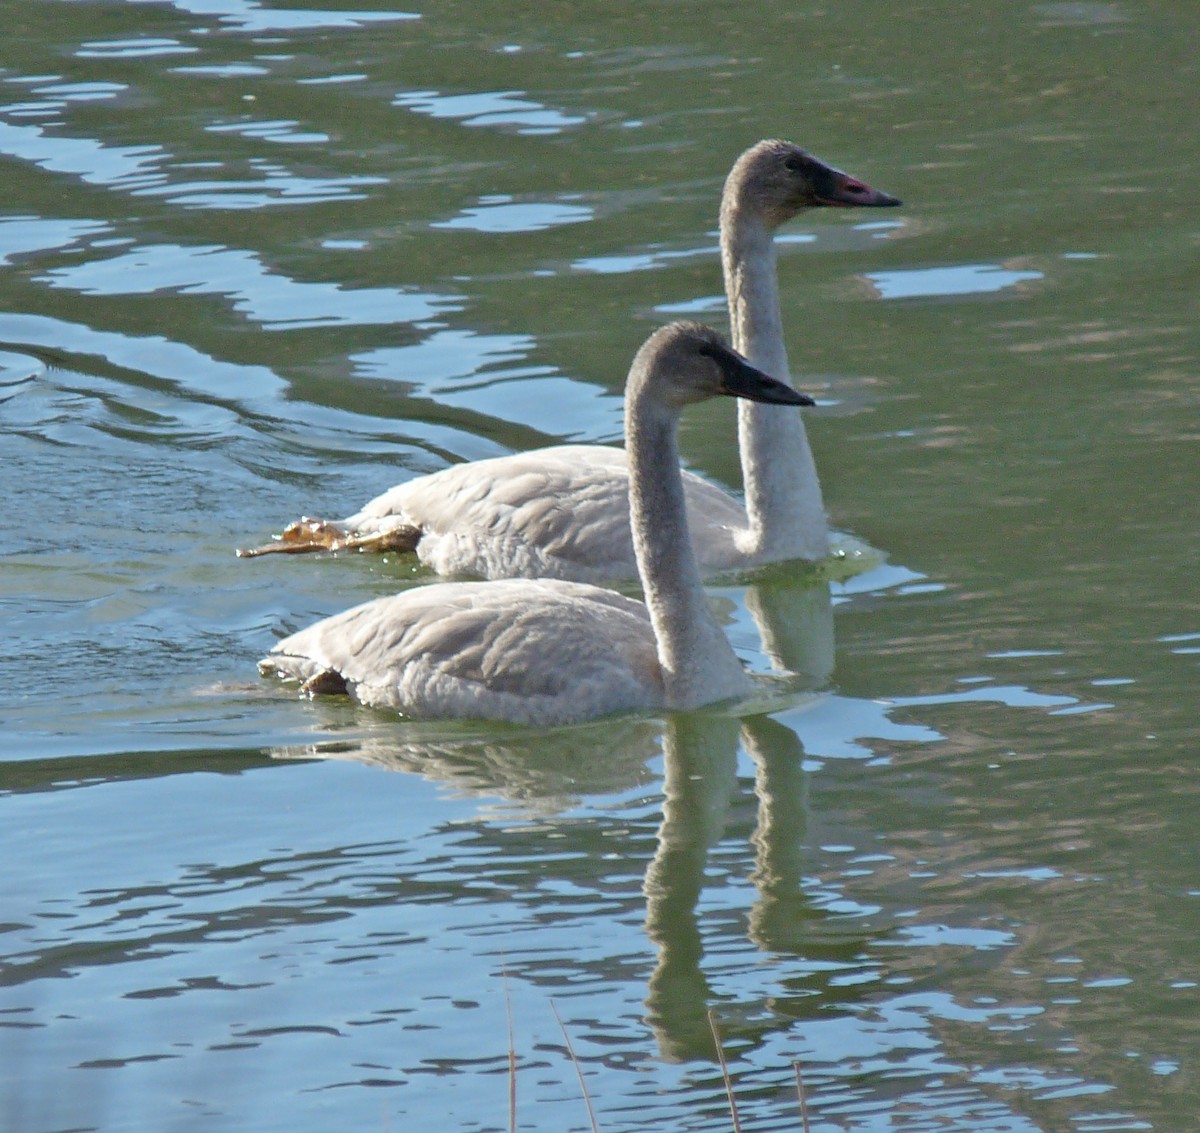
(328, 682)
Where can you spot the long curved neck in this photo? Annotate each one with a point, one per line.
(783, 494)
(699, 665)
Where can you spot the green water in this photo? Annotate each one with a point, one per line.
(259, 261)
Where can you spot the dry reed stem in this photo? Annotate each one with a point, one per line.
(800, 1094)
(587, 1099)
(733, 1111)
(512, 1058)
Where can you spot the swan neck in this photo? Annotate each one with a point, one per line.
(698, 664)
(748, 258)
(783, 494)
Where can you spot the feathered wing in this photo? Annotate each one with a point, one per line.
(536, 652)
(560, 512)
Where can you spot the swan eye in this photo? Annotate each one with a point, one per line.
(793, 163)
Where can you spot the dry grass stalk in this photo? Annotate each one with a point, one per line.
(733, 1111)
(512, 1059)
(587, 1099)
(800, 1093)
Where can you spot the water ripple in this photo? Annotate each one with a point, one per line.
(967, 279)
(144, 170)
(502, 214)
(504, 109)
(259, 294)
(250, 16)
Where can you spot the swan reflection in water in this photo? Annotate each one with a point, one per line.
(699, 790)
(548, 770)
(544, 772)
(541, 774)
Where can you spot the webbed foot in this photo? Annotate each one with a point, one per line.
(307, 534)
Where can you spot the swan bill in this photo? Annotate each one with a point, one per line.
(836, 189)
(740, 379)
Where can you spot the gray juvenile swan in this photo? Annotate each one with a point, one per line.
(548, 652)
(562, 512)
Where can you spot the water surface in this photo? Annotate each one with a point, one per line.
(264, 260)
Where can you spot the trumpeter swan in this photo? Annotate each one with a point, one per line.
(562, 512)
(541, 651)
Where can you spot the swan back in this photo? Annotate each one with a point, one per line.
(527, 651)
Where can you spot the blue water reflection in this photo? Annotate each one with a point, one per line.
(251, 17)
(283, 131)
(503, 109)
(20, 235)
(502, 214)
(150, 171)
(491, 373)
(144, 47)
(969, 279)
(256, 292)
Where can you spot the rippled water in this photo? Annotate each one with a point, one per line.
(261, 260)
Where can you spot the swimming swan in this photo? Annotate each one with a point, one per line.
(548, 652)
(562, 512)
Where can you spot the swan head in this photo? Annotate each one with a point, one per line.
(776, 179)
(685, 362)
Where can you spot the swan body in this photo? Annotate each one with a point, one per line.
(562, 512)
(535, 651)
(546, 651)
